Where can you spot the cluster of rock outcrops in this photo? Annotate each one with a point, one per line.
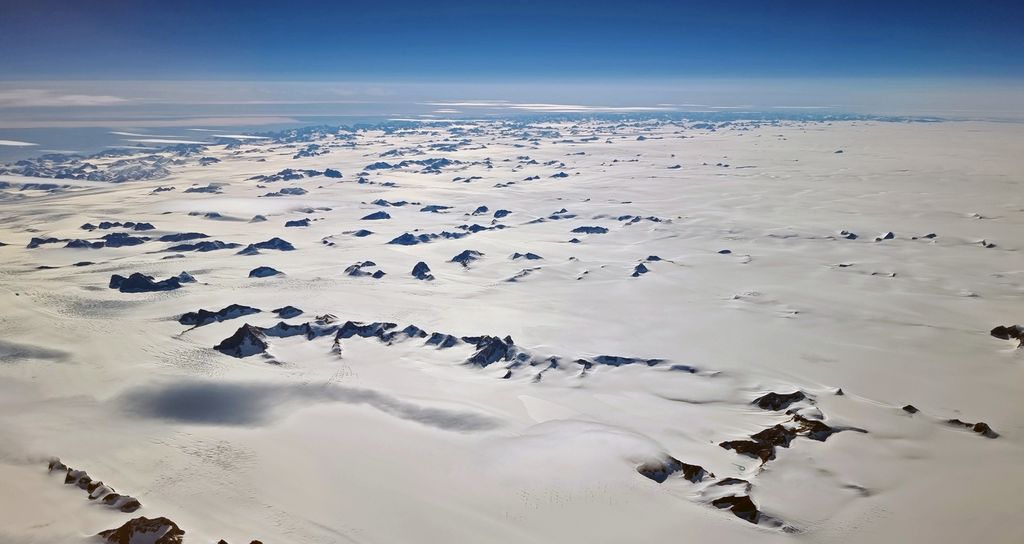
(97, 490)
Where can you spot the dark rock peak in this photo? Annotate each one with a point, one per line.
(264, 272)
(778, 401)
(421, 271)
(287, 312)
(141, 283)
(142, 530)
(247, 340)
(466, 257)
(205, 317)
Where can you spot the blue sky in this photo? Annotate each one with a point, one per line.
(533, 40)
(114, 63)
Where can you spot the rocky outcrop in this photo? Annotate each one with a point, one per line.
(659, 471)
(981, 427)
(741, 506)
(287, 312)
(442, 340)
(409, 239)
(247, 341)
(590, 230)
(356, 270)
(96, 489)
(141, 283)
(466, 257)
(762, 444)
(1009, 332)
(778, 401)
(490, 349)
(528, 256)
(36, 242)
(205, 317)
(264, 272)
(273, 243)
(204, 246)
(182, 237)
(143, 530)
(422, 272)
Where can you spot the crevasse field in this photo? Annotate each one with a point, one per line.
(622, 331)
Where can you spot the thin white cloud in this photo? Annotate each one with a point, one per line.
(541, 107)
(571, 108)
(16, 143)
(471, 103)
(162, 141)
(240, 136)
(136, 134)
(38, 98)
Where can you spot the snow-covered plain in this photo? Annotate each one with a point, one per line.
(727, 271)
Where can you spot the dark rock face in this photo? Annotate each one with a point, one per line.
(778, 401)
(435, 208)
(204, 246)
(615, 360)
(116, 224)
(365, 330)
(981, 427)
(287, 312)
(95, 488)
(141, 283)
(763, 443)
(286, 330)
(356, 270)
(83, 244)
(182, 237)
(498, 214)
(660, 471)
(1009, 332)
(297, 223)
(287, 191)
(377, 215)
(331, 173)
(527, 256)
(36, 242)
(211, 188)
(885, 236)
(264, 272)
(490, 349)
(121, 239)
(639, 270)
(422, 272)
(143, 530)
(205, 317)
(442, 340)
(247, 340)
(741, 506)
(466, 257)
(590, 230)
(273, 243)
(409, 239)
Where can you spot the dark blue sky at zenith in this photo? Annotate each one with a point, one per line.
(481, 40)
